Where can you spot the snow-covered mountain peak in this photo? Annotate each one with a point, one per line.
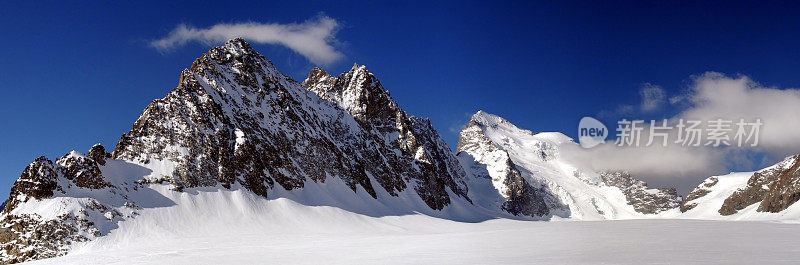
(319, 76)
(74, 155)
(358, 69)
(485, 119)
(505, 134)
(520, 162)
(238, 47)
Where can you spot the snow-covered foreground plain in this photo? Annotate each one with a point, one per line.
(240, 229)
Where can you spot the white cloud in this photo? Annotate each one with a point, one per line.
(653, 97)
(312, 38)
(715, 95)
(712, 96)
(672, 165)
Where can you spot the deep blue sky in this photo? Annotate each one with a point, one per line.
(75, 74)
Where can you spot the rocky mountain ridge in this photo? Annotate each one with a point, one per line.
(774, 189)
(235, 119)
(27, 235)
(235, 123)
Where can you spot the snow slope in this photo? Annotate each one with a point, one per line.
(235, 227)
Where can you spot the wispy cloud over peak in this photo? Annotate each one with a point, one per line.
(312, 39)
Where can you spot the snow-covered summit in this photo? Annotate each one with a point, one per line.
(527, 170)
(499, 125)
(238, 47)
(489, 120)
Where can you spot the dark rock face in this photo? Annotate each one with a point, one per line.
(784, 192)
(83, 171)
(98, 154)
(698, 192)
(524, 199)
(642, 199)
(235, 119)
(776, 187)
(38, 181)
(26, 238)
(423, 156)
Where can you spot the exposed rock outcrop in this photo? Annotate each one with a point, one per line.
(643, 199)
(776, 188)
(98, 154)
(701, 190)
(38, 181)
(27, 236)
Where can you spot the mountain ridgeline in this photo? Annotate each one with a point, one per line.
(235, 123)
(234, 119)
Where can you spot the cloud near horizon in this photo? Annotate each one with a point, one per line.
(312, 39)
(711, 96)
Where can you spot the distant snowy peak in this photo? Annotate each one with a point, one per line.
(488, 160)
(527, 169)
(491, 132)
(698, 192)
(486, 120)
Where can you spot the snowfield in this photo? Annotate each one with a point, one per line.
(236, 227)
